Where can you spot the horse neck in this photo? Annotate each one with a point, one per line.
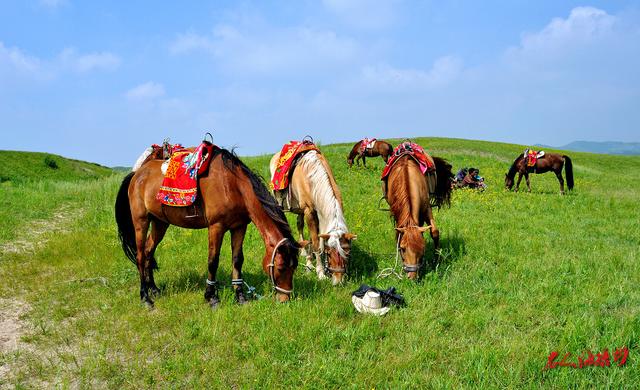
(268, 228)
(325, 200)
(405, 203)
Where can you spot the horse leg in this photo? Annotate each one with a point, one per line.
(313, 224)
(561, 180)
(518, 182)
(216, 233)
(142, 228)
(364, 161)
(435, 236)
(526, 177)
(300, 225)
(158, 229)
(237, 258)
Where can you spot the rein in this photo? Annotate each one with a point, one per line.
(272, 266)
(386, 272)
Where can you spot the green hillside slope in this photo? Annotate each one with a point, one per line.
(521, 275)
(21, 166)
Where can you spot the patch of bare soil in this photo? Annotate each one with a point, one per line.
(34, 233)
(12, 327)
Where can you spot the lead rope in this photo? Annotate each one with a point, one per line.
(386, 272)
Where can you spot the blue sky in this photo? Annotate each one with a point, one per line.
(101, 80)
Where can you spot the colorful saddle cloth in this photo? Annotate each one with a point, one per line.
(367, 143)
(532, 156)
(180, 184)
(288, 154)
(416, 152)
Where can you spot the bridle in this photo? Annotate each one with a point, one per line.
(409, 267)
(332, 270)
(272, 266)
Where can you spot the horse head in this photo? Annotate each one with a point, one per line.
(411, 247)
(338, 252)
(508, 181)
(280, 264)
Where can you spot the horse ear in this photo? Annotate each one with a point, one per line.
(303, 243)
(401, 230)
(350, 236)
(324, 236)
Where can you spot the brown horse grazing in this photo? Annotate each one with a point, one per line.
(408, 195)
(316, 199)
(381, 148)
(549, 162)
(230, 196)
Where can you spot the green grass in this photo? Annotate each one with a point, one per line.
(522, 275)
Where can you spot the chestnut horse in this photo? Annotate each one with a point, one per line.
(549, 162)
(230, 196)
(408, 195)
(380, 148)
(316, 199)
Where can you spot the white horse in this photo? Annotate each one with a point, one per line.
(315, 198)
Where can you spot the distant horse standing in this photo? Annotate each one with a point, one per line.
(359, 152)
(316, 199)
(244, 199)
(408, 195)
(549, 162)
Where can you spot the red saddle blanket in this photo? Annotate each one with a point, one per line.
(288, 154)
(367, 143)
(416, 152)
(531, 157)
(180, 184)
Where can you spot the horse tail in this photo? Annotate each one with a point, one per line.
(568, 171)
(126, 231)
(443, 182)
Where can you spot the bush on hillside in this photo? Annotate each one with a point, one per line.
(50, 162)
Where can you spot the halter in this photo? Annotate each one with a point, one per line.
(272, 266)
(324, 256)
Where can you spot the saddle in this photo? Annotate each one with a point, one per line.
(415, 151)
(180, 184)
(367, 144)
(532, 156)
(289, 157)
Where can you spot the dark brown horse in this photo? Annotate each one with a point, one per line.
(230, 196)
(549, 162)
(358, 152)
(408, 194)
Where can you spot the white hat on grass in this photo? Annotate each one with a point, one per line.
(370, 303)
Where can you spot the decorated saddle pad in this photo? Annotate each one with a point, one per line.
(367, 143)
(413, 150)
(180, 183)
(288, 154)
(532, 156)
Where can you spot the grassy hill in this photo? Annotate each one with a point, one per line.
(23, 166)
(522, 275)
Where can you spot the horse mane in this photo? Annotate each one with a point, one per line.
(354, 151)
(231, 161)
(442, 192)
(513, 168)
(142, 159)
(401, 203)
(326, 198)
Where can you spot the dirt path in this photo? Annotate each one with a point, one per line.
(34, 235)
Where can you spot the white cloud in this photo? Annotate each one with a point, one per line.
(16, 59)
(364, 14)
(276, 51)
(444, 71)
(88, 62)
(146, 91)
(584, 28)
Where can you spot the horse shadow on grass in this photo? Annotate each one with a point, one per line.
(452, 248)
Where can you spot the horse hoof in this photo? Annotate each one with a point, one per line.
(214, 303)
(154, 291)
(148, 304)
(241, 300)
(322, 276)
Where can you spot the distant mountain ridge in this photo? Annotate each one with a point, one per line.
(607, 147)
